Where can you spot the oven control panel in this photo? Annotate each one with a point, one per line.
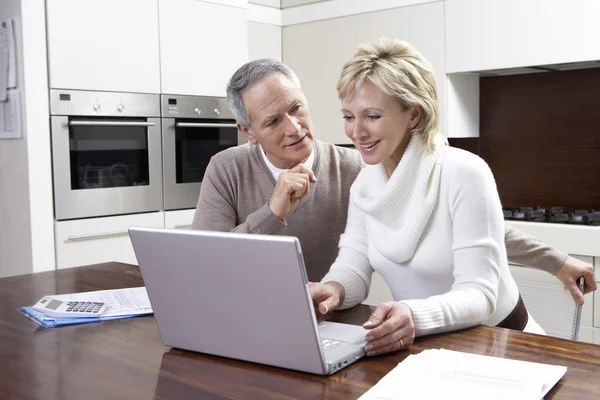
(195, 107)
(105, 104)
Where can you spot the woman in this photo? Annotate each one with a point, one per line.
(426, 216)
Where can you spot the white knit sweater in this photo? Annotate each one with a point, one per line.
(435, 232)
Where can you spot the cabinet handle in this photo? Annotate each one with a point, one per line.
(81, 238)
(188, 226)
(203, 125)
(111, 123)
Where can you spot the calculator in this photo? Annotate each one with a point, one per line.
(69, 309)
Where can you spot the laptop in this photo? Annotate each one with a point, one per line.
(240, 296)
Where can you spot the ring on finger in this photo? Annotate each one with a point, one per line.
(401, 344)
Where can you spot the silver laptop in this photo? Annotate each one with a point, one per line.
(240, 296)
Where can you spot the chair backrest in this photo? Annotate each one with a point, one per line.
(550, 304)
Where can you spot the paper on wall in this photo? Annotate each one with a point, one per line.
(10, 115)
(7, 42)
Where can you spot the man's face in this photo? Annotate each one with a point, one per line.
(279, 120)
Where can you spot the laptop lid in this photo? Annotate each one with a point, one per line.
(241, 296)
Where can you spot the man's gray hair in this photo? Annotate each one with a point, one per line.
(245, 77)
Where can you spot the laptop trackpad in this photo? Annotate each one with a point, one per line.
(343, 332)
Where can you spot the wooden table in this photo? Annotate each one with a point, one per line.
(125, 359)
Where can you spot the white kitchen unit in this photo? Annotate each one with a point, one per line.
(420, 25)
(462, 106)
(181, 219)
(109, 45)
(202, 44)
(264, 41)
(582, 242)
(317, 51)
(96, 240)
(379, 291)
(268, 3)
(495, 34)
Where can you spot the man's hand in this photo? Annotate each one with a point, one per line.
(570, 271)
(326, 296)
(391, 328)
(291, 187)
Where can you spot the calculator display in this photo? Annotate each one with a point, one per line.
(53, 305)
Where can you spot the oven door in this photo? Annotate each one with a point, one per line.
(188, 146)
(106, 166)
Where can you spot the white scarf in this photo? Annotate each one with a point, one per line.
(400, 207)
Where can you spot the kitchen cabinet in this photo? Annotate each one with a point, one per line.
(420, 25)
(109, 45)
(264, 41)
(202, 44)
(268, 3)
(97, 240)
(379, 291)
(317, 51)
(494, 34)
(462, 106)
(181, 219)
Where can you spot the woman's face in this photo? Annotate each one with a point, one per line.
(377, 125)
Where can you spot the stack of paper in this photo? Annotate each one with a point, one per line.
(121, 303)
(436, 374)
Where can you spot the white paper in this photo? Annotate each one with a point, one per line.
(7, 41)
(435, 374)
(131, 301)
(3, 72)
(10, 115)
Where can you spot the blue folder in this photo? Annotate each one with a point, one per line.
(50, 322)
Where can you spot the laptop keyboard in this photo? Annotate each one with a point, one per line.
(329, 345)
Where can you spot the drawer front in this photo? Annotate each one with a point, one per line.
(179, 219)
(97, 240)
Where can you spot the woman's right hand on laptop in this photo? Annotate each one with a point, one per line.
(326, 296)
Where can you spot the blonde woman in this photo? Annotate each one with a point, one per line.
(425, 216)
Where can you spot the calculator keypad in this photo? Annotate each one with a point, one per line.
(84, 306)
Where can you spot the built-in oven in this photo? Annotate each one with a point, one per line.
(106, 153)
(193, 130)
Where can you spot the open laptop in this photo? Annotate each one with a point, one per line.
(241, 296)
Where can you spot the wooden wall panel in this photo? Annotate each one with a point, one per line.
(540, 134)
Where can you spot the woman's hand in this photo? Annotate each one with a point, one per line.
(391, 328)
(326, 296)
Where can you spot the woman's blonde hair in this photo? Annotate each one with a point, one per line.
(398, 70)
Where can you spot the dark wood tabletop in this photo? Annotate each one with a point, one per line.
(125, 359)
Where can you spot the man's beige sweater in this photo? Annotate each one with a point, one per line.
(238, 184)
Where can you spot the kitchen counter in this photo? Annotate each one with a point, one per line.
(572, 239)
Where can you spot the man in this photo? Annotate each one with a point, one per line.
(286, 182)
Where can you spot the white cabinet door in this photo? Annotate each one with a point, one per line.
(317, 51)
(104, 45)
(422, 26)
(97, 240)
(492, 34)
(264, 41)
(181, 219)
(202, 44)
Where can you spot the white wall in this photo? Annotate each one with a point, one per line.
(15, 231)
(37, 125)
(26, 191)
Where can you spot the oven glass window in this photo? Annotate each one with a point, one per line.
(195, 146)
(108, 156)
